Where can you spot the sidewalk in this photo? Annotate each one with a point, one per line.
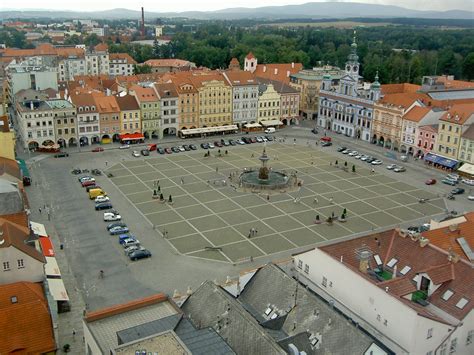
(72, 320)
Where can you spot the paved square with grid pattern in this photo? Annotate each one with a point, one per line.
(209, 219)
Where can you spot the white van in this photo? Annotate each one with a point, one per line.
(270, 130)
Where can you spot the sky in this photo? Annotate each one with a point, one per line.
(206, 5)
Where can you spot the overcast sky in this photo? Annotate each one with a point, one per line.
(204, 5)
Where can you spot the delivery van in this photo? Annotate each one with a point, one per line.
(96, 192)
(270, 130)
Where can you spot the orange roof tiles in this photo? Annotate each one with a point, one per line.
(404, 100)
(4, 124)
(166, 90)
(417, 113)
(458, 113)
(26, 324)
(199, 80)
(450, 83)
(106, 104)
(240, 78)
(278, 72)
(446, 239)
(125, 307)
(250, 56)
(399, 88)
(399, 286)
(127, 103)
(144, 94)
(456, 276)
(82, 100)
(118, 56)
(101, 47)
(175, 63)
(10, 167)
(15, 235)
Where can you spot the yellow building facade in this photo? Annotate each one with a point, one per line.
(268, 103)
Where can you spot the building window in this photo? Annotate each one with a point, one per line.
(21, 263)
(470, 335)
(453, 346)
(443, 349)
(306, 268)
(325, 282)
(430, 333)
(300, 264)
(6, 266)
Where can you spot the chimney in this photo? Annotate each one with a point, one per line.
(276, 71)
(363, 265)
(424, 242)
(453, 227)
(143, 22)
(31, 105)
(288, 73)
(264, 68)
(292, 65)
(394, 275)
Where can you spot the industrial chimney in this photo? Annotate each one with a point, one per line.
(143, 23)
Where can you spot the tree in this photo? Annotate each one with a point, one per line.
(73, 40)
(141, 69)
(92, 40)
(156, 49)
(468, 67)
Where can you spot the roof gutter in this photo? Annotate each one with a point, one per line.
(448, 336)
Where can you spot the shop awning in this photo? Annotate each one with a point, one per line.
(215, 129)
(271, 123)
(38, 229)
(57, 289)
(253, 125)
(467, 169)
(438, 159)
(46, 246)
(51, 267)
(131, 136)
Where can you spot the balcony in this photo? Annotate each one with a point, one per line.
(420, 297)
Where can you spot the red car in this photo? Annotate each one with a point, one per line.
(430, 182)
(98, 149)
(218, 144)
(326, 139)
(88, 183)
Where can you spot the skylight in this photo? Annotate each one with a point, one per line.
(447, 295)
(268, 311)
(405, 270)
(377, 259)
(462, 302)
(392, 262)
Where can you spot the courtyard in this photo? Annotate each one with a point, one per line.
(208, 219)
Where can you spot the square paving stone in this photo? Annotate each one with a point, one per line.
(334, 231)
(176, 172)
(321, 188)
(358, 224)
(343, 185)
(222, 206)
(162, 183)
(426, 209)
(151, 207)
(207, 223)
(209, 254)
(237, 216)
(241, 251)
(176, 229)
(265, 212)
(115, 167)
(339, 197)
(152, 176)
(423, 194)
(307, 218)
(188, 179)
(125, 180)
(382, 219)
(326, 177)
(183, 200)
(385, 179)
(140, 197)
(364, 181)
(261, 227)
(163, 217)
(120, 172)
(320, 202)
(134, 163)
(143, 169)
(222, 236)
(290, 206)
(402, 186)
(359, 207)
(165, 166)
(439, 202)
(282, 223)
(249, 201)
(381, 203)
(134, 188)
(195, 211)
(404, 213)
(196, 187)
(303, 236)
(190, 243)
(360, 193)
(207, 196)
(403, 198)
(383, 190)
(174, 191)
(273, 243)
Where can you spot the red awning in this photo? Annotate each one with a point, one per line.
(46, 246)
(132, 136)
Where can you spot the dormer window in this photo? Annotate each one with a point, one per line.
(447, 295)
(462, 303)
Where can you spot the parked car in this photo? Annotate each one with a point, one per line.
(186, 147)
(353, 153)
(340, 149)
(270, 138)
(101, 198)
(346, 151)
(88, 183)
(232, 142)
(326, 144)
(241, 142)
(314, 131)
(211, 146)
(218, 144)
(61, 155)
(225, 142)
(193, 147)
(468, 182)
(358, 156)
(453, 177)
(151, 147)
(253, 140)
(457, 191)
(92, 187)
(205, 145)
(160, 150)
(376, 162)
(145, 152)
(449, 182)
(115, 224)
(259, 139)
(118, 230)
(470, 197)
(132, 248)
(85, 178)
(124, 146)
(430, 182)
(391, 166)
(130, 242)
(98, 149)
(103, 206)
(370, 160)
(96, 172)
(181, 148)
(399, 169)
(109, 217)
(168, 150)
(364, 157)
(139, 254)
(175, 149)
(136, 154)
(124, 237)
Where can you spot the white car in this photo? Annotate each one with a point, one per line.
(108, 216)
(132, 248)
(181, 148)
(101, 198)
(211, 146)
(129, 242)
(353, 153)
(241, 142)
(125, 146)
(468, 182)
(136, 154)
(364, 157)
(391, 166)
(377, 162)
(358, 156)
(470, 197)
(399, 169)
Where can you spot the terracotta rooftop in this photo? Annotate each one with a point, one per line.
(175, 63)
(446, 239)
(278, 72)
(101, 47)
(4, 124)
(125, 307)
(408, 255)
(20, 218)
(26, 324)
(122, 56)
(399, 88)
(416, 114)
(106, 104)
(84, 99)
(240, 78)
(250, 56)
(15, 235)
(10, 167)
(166, 90)
(142, 94)
(469, 133)
(199, 79)
(450, 83)
(403, 100)
(127, 103)
(458, 113)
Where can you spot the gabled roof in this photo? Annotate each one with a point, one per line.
(278, 72)
(84, 100)
(15, 235)
(26, 325)
(240, 78)
(175, 63)
(106, 104)
(122, 56)
(450, 273)
(101, 47)
(458, 113)
(469, 133)
(416, 114)
(280, 87)
(127, 103)
(200, 80)
(402, 100)
(144, 94)
(9, 167)
(399, 88)
(166, 90)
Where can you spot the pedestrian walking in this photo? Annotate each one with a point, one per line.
(73, 332)
(106, 163)
(316, 200)
(39, 209)
(331, 201)
(217, 169)
(256, 231)
(373, 170)
(268, 197)
(182, 181)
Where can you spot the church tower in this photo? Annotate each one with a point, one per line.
(351, 78)
(375, 88)
(250, 63)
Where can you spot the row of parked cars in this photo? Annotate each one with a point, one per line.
(129, 242)
(363, 157)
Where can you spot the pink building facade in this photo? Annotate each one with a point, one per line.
(426, 137)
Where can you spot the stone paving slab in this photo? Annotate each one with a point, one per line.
(190, 243)
(219, 237)
(241, 250)
(302, 237)
(273, 243)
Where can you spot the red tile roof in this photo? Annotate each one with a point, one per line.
(127, 103)
(15, 235)
(26, 325)
(4, 124)
(403, 100)
(399, 286)
(416, 114)
(250, 56)
(10, 167)
(144, 94)
(20, 218)
(175, 63)
(450, 83)
(278, 72)
(399, 88)
(449, 272)
(122, 56)
(125, 307)
(106, 104)
(240, 78)
(458, 113)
